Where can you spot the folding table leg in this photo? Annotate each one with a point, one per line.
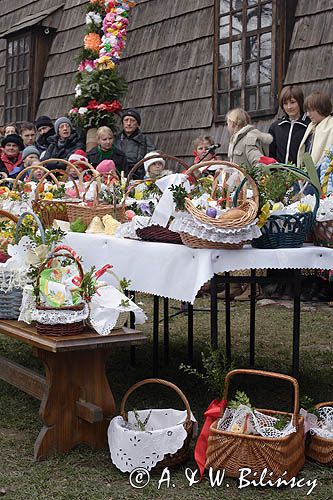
(296, 322)
(190, 334)
(252, 317)
(166, 330)
(155, 335)
(213, 313)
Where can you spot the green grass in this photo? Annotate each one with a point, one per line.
(84, 474)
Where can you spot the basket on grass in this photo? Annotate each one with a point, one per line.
(232, 451)
(320, 448)
(86, 210)
(63, 320)
(51, 209)
(323, 229)
(154, 232)
(13, 280)
(152, 439)
(288, 230)
(234, 225)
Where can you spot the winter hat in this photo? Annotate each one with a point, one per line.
(16, 139)
(62, 119)
(132, 112)
(152, 160)
(79, 157)
(30, 150)
(43, 121)
(106, 166)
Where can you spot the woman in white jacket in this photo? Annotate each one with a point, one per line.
(318, 137)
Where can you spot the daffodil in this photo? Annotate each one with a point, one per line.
(304, 207)
(48, 196)
(138, 195)
(264, 214)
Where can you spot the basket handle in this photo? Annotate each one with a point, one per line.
(28, 169)
(328, 172)
(182, 396)
(51, 173)
(7, 179)
(38, 222)
(8, 215)
(159, 154)
(53, 255)
(263, 373)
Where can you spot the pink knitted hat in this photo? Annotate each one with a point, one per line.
(106, 166)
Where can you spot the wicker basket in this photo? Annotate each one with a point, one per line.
(49, 210)
(181, 456)
(323, 230)
(10, 302)
(318, 448)
(233, 451)
(86, 211)
(154, 232)
(249, 207)
(60, 329)
(287, 231)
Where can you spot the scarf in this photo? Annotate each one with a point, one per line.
(106, 155)
(9, 163)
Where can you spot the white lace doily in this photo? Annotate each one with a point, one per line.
(324, 428)
(105, 308)
(55, 317)
(16, 207)
(184, 222)
(131, 448)
(128, 230)
(10, 280)
(257, 423)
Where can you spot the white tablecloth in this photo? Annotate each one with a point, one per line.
(177, 271)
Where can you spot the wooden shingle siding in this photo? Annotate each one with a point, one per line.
(305, 7)
(62, 64)
(58, 85)
(313, 30)
(313, 64)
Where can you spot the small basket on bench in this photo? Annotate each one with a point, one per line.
(319, 448)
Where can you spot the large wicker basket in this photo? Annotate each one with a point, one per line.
(287, 231)
(155, 232)
(61, 328)
(231, 451)
(181, 456)
(249, 207)
(318, 448)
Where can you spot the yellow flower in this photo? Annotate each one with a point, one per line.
(304, 207)
(138, 195)
(264, 214)
(48, 196)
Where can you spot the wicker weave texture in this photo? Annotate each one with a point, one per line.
(194, 242)
(159, 234)
(232, 451)
(318, 448)
(87, 213)
(10, 304)
(323, 233)
(60, 330)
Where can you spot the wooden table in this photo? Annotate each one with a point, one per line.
(76, 400)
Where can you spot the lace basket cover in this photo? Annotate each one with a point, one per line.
(128, 229)
(324, 427)
(131, 448)
(13, 272)
(185, 222)
(258, 423)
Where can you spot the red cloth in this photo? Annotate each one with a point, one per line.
(9, 164)
(266, 160)
(213, 412)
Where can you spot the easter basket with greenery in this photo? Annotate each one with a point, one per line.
(286, 215)
(13, 271)
(151, 438)
(220, 209)
(323, 227)
(319, 442)
(256, 439)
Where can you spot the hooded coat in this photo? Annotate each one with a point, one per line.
(247, 145)
(62, 149)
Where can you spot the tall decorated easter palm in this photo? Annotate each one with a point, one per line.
(99, 86)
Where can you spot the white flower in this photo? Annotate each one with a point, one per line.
(94, 18)
(82, 111)
(89, 69)
(78, 90)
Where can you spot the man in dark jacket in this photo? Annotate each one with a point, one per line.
(45, 129)
(106, 150)
(61, 145)
(133, 142)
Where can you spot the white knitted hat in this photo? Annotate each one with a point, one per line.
(152, 160)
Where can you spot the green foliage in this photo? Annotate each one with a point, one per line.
(52, 237)
(112, 194)
(307, 403)
(241, 398)
(215, 366)
(88, 284)
(281, 422)
(124, 284)
(104, 85)
(141, 424)
(179, 195)
(86, 54)
(78, 226)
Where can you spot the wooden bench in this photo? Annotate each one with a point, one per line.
(76, 400)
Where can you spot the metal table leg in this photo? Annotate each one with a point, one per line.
(213, 313)
(166, 330)
(296, 322)
(155, 335)
(252, 317)
(190, 334)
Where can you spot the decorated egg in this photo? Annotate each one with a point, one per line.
(211, 212)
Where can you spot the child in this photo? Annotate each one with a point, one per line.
(30, 156)
(79, 160)
(106, 150)
(201, 145)
(154, 167)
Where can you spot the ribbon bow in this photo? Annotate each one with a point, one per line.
(214, 411)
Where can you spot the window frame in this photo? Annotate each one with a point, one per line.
(277, 30)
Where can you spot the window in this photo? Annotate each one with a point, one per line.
(17, 96)
(245, 60)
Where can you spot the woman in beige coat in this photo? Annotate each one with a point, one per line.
(247, 143)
